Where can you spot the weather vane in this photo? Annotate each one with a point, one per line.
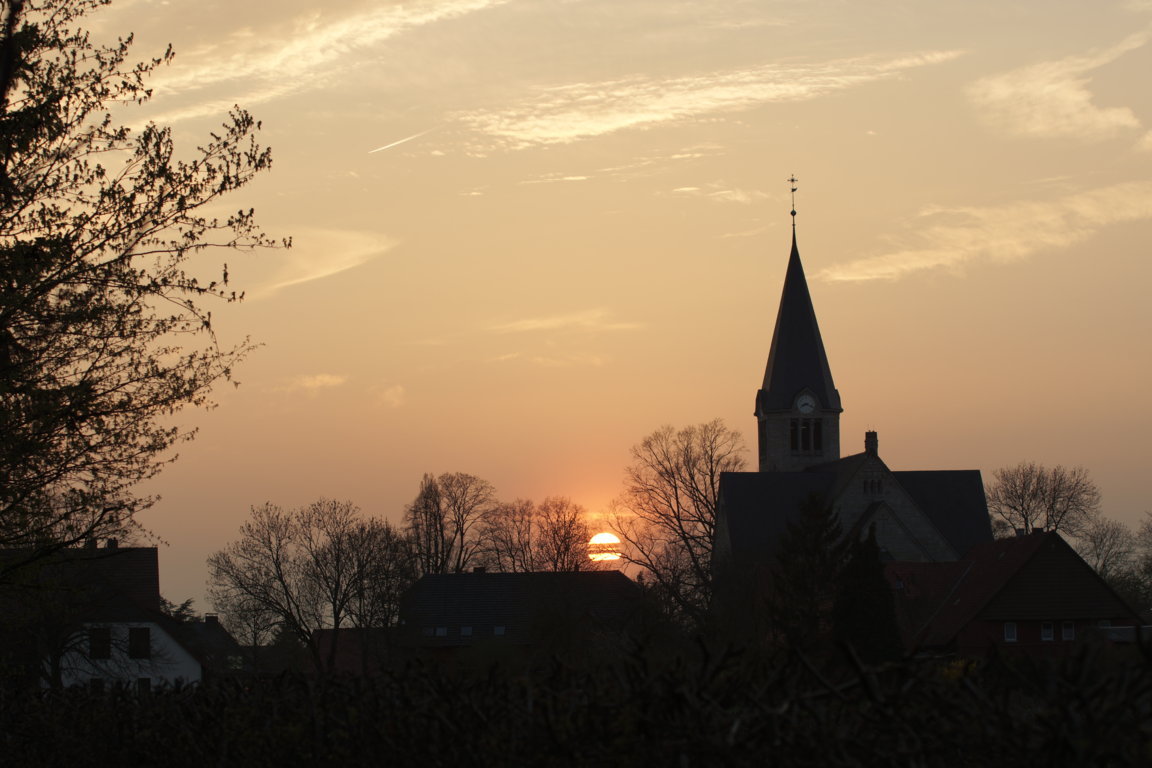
(792, 180)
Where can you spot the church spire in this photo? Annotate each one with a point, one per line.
(798, 406)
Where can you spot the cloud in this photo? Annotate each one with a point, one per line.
(568, 113)
(315, 254)
(391, 397)
(1051, 99)
(590, 320)
(955, 237)
(717, 192)
(1145, 143)
(269, 66)
(312, 384)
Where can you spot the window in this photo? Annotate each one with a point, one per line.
(427, 631)
(441, 631)
(1047, 632)
(1009, 631)
(806, 435)
(1068, 631)
(466, 631)
(99, 642)
(139, 643)
(1104, 623)
(498, 631)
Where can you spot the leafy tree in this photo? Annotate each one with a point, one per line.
(806, 577)
(666, 516)
(103, 332)
(1030, 497)
(864, 614)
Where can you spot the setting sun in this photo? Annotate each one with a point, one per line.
(604, 547)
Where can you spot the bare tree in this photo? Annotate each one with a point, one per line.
(444, 520)
(507, 535)
(314, 567)
(562, 536)
(667, 514)
(1107, 545)
(1030, 497)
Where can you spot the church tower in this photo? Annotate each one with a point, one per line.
(798, 408)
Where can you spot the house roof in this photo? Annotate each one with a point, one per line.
(519, 602)
(796, 360)
(1038, 576)
(103, 584)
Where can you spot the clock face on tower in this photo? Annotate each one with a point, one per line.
(806, 404)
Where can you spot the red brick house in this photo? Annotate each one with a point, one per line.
(1031, 594)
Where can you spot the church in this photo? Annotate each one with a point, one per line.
(920, 516)
(955, 589)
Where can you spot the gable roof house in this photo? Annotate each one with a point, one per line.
(1031, 594)
(91, 616)
(472, 619)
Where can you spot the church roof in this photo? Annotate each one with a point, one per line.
(797, 360)
(949, 497)
(759, 505)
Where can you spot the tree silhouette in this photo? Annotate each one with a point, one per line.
(103, 332)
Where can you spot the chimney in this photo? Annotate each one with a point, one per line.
(211, 618)
(479, 569)
(113, 543)
(871, 444)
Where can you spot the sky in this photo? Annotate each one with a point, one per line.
(527, 233)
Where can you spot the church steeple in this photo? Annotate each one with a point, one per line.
(797, 408)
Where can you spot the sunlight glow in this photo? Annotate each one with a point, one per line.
(604, 547)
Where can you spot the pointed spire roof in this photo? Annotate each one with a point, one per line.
(797, 360)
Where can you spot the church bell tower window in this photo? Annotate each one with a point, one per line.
(806, 436)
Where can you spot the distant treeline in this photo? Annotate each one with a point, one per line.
(717, 709)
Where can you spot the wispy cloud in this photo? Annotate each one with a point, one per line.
(718, 192)
(316, 254)
(590, 320)
(951, 238)
(393, 396)
(259, 68)
(1051, 99)
(569, 113)
(312, 384)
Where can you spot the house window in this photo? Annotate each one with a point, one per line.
(466, 631)
(1104, 623)
(99, 642)
(441, 631)
(427, 631)
(1009, 631)
(1047, 632)
(1068, 631)
(139, 643)
(498, 631)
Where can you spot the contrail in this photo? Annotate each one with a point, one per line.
(401, 141)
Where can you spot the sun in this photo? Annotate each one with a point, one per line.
(604, 547)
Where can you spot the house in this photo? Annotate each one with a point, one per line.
(1031, 595)
(480, 617)
(91, 616)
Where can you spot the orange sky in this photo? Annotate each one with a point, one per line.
(575, 229)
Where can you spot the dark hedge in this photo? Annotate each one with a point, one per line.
(718, 709)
